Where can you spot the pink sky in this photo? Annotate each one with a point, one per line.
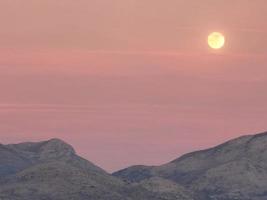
(132, 82)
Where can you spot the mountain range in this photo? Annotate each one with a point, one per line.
(51, 170)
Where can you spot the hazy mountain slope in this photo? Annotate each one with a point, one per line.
(234, 170)
(165, 189)
(26, 155)
(51, 170)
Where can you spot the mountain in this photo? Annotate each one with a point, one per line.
(235, 170)
(51, 170)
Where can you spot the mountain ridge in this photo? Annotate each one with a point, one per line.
(51, 170)
(233, 170)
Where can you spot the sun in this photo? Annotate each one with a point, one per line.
(216, 40)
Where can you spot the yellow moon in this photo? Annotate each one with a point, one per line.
(216, 40)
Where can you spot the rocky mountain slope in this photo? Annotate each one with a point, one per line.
(234, 170)
(51, 170)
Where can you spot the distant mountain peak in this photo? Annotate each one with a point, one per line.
(56, 140)
(54, 148)
(58, 144)
(50, 149)
(236, 169)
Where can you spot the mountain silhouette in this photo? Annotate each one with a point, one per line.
(51, 170)
(236, 169)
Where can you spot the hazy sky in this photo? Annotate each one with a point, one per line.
(132, 81)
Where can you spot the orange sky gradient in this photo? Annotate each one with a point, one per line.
(132, 82)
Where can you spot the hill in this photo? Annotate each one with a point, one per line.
(236, 169)
(51, 170)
